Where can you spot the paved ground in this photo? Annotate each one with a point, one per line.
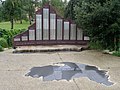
(13, 68)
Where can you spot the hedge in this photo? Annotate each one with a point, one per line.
(3, 43)
(9, 34)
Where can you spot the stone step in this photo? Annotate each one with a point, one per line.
(53, 48)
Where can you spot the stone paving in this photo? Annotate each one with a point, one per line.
(14, 66)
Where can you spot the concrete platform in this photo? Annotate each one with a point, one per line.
(49, 48)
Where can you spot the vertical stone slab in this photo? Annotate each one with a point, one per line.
(73, 32)
(79, 34)
(86, 38)
(45, 24)
(66, 30)
(59, 29)
(31, 34)
(16, 39)
(38, 27)
(52, 26)
(24, 38)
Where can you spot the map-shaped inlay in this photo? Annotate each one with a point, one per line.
(68, 71)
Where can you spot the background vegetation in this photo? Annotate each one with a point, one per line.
(6, 36)
(100, 20)
(19, 10)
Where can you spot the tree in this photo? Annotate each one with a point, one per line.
(100, 19)
(18, 10)
(1, 15)
(29, 8)
(70, 9)
(9, 9)
(44, 2)
(59, 6)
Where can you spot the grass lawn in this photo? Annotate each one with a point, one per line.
(17, 25)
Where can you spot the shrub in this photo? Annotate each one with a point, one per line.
(1, 48)
(95, 45)
(3, 43)
(9, 34)
(117, 53)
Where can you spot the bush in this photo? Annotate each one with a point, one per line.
(9, 34)
(3, 43)
(1, 48)
(117, 53)
(95, 45)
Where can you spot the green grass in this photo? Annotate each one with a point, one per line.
(17, 25)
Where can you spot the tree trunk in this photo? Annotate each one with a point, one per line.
(12, 22)
(30, 22)
(20, 21)
(30, 18)
(20, 17)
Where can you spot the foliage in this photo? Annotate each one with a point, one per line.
(101, 20)
(59, 6)
(1, 15)
(13, 10)
(95, 45)
(117, 53)
(18, 10)
(9, 34)
(70, 9)
(1, 48)
(29, 8)
(3, 43)
(9, 9)
(43, 2)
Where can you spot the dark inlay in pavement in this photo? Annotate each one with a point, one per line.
(68, 71)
